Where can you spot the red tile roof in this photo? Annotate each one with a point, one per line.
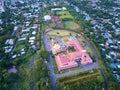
(68, 61)
(55, 18)
(64, 63)
(64, 59)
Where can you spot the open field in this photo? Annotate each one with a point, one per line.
(60, 33)
(71, 25)
(64, 15)
(81, 76)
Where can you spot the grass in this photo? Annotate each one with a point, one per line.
(81, 41)
(71, 69)
(59, 33)
(70, 25)
(99, 55)
(25, 73)
(54, 66)
(77, 74)
(18, 47)
(65, 40)
(88, 49)
(81, 76)
(64, 15)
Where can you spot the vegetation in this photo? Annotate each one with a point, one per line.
(5, 78)
(29, 65)
(54, 65)
(64, 15)
(33, 73)
(85, 29)
(88, 49)
(70, 25)
(30, 75)
(59, 33)
(93, 81)
(71, 49)
(81, 41)
(65, 40)
(111, 79)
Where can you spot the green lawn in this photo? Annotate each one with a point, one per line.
(80, 79)
(86, 80)
(70, 25)
(80, 76)
(81, 41)
(59, 33)
(64, 15)
(88, 49)
(65, 40)
(55, 66)
(71, 69)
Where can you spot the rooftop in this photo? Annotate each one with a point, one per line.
(71, 58)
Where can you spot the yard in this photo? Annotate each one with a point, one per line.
(20, 45)
(70, 25)
(60, 33)
(64, 15)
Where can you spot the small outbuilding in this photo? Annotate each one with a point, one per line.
(47, 17)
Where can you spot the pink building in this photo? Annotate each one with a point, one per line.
(70, 60)
(64, 62)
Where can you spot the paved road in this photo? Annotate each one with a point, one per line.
(52, 74)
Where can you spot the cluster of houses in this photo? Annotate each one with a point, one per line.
(2, 6)
(25, 30)
(1, 11)
(9, 45)
(111, 43)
